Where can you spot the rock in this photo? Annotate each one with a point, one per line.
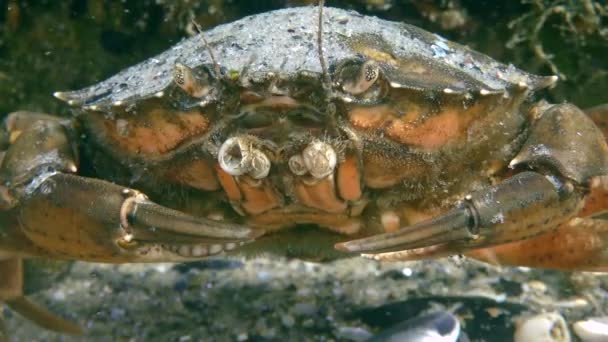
(439, 326)
(288, 321)
(544, 327)
(594, 329)
(356, 334)
(304, 309)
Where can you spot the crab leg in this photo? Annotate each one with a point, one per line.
(3, 332)
(11, 292)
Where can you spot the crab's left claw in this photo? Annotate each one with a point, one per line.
(528, 209)
(522, 206)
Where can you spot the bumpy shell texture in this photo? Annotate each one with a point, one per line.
(284, 42)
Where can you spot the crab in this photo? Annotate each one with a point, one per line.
(353, 135)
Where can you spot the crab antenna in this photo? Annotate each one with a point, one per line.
(326, 78)
(216, 65)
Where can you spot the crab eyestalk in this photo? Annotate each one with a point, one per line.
(186, 79)
(238, 157)
(366, 77)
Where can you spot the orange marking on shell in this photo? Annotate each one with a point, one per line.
(370, 117)
(434, 132)
(321, 195)
(156, 132)
(228, 184)
(349, 179)
(257, 199)
(197, 174)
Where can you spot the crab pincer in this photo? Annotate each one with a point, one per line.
(529, 218)
(507, 212)
(74, 216)
(60, 214)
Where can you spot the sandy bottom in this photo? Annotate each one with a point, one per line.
(273, 299)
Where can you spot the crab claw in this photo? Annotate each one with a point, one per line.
(521, 207)
(146, 221)
(75, 217)
(456, 225)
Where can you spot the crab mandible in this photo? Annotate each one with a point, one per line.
(408, 145)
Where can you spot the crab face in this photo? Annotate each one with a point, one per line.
(408, 145)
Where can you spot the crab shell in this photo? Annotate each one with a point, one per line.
(282, 45)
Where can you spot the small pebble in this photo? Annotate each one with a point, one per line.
(308, 323)
(59, 295)
(117, 314)
(545, 327)
(304, 309)
(264, 275)
(288, 320)
(355, 334)
(535, 286)
(441, 326)
(594, 329)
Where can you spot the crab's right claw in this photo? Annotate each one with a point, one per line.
(73, 217)
(520, 207)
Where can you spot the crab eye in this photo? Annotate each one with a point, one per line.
(366, 76)
(194, 82)
(360, 80)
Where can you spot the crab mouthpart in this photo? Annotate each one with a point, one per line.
(457, 225)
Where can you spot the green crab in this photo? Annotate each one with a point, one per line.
(275, 133)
